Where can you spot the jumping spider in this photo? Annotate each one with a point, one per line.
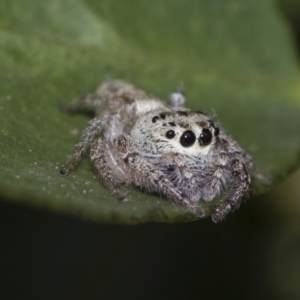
(141, 141)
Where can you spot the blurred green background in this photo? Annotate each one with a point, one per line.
(251, 50)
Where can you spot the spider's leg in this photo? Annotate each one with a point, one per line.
(217, 178)
(150, 175)
(241, 181)
(97, 153)
(94, 129)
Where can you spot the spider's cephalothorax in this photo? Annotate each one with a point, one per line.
(142, 141)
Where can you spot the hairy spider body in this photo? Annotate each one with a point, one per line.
(139, 140)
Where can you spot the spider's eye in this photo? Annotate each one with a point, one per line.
(188, 138)
(205, 137)
(170, 134)
(155, 118)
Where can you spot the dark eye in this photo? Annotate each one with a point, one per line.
(155, 118)
(163, 116)
(188, 138)
(170, 134)
(205, 137)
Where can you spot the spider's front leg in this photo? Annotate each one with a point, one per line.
(99, 151)
(217, 179)
(148, 174)
(95, 127)
(181, 175)
(241, 181)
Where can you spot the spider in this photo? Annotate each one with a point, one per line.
(139, 140)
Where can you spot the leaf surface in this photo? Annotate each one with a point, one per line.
(234, 58)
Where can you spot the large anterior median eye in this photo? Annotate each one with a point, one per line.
(188, 138)
(205, 137)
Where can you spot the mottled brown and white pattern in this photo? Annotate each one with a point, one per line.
(139, 140)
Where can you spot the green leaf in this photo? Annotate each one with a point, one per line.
(235, 59)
